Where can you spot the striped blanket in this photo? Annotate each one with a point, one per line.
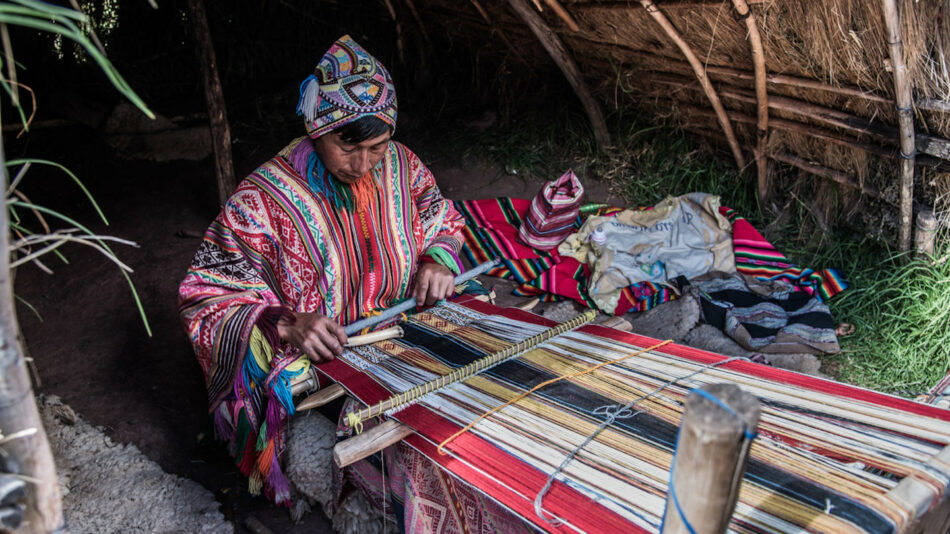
(492, 230)
(825, 459)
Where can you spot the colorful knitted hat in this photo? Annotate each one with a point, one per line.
(348, 84)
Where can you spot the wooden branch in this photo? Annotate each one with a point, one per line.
(324, 396)
(566, 63)
(775, 79)
(700, 71)
(712, 448)
(214, 99)
(833, 174)
(809, 167)
(565, 16)
(501, 34)
(626, 4)
(905, 121)
(18, 412)
(762, 100)
(370, 442)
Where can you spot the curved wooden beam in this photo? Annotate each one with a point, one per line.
(905, 118)
(552, 43)
(700, 71)
(761, 97)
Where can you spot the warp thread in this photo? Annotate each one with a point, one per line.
(609, 420)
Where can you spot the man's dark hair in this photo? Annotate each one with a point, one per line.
(363, 129)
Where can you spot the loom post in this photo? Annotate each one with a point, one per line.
(711, 452)
(324, 396)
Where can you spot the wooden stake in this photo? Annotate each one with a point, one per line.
(552, 43)
(905, 121)
(700, 71)
(565, 16)
(304, 382)
(529, 305)
(711, 452)
(370, 442)
(214, 99)
(18, 412)
(324, 396)
(762, 100)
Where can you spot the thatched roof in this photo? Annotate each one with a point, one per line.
(829, 77)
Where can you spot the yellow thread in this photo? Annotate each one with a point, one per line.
(411, 394)
(541, 385)
(355, 422)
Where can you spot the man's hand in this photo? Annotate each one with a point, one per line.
(433, 283)
(317, 336)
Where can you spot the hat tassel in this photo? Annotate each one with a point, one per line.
(309, 98)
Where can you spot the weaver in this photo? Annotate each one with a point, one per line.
(828, 457)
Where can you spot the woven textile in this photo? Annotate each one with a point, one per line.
(552, 213)
(825, 458)
(280, 245)
(347, 84)
(491, 231)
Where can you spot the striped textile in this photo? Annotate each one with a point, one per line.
(492, 231)
(550, 218)
(279, 244)
(757, 257)
(825, 458)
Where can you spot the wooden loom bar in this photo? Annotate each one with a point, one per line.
(552, 43)
(324, 396)
(674, 35)
(762, 100)
(379, 437)
(712, 448)
(905, 121)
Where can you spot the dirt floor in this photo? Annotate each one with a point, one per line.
(91, 348)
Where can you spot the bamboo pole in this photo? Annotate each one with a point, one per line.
(700, 71)
(761, 97)
(18, 412)
(552, 43)
(712, 448)
(905, 121)
(563, 14)
(214, 99)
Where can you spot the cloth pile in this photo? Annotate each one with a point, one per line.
(633, 260)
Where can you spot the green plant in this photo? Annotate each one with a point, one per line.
(30, 245)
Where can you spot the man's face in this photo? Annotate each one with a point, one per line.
(348, 162)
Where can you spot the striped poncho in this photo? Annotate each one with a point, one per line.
(280, 244)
